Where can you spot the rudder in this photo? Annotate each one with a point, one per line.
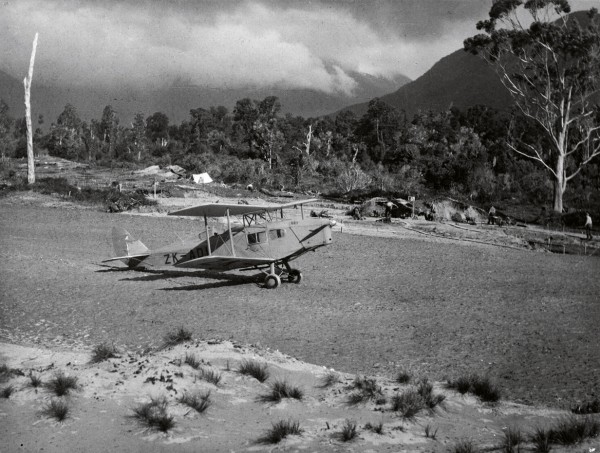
(125, 245)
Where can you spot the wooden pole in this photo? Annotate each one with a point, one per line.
(27, 85)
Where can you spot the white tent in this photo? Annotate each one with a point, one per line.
(202, 178)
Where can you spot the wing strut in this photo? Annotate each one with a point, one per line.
(230, 235)
(207, 236)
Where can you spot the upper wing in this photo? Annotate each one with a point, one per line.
(220, 210)
(224, 262)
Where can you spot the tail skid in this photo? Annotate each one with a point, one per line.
(128, 250)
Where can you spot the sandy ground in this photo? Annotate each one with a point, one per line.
(385, 298)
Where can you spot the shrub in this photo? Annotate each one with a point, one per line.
(425, 390)
(154, 414)
(281, 389)
(174, 338)
(103, 352)
(259, 371)
(57, 409)
(348, 432)
(197, 401)
(481, 387)
(367, 389)
(61, 384)
(281, 430)
(408, 403)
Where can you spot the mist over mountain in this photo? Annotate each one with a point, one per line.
(458, 80)
(177, 99)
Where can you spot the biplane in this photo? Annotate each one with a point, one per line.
(264, 239)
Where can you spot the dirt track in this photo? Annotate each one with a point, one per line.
(366, 304)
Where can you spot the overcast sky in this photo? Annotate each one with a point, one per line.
(294, 44)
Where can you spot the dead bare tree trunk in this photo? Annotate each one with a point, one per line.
(27, 84)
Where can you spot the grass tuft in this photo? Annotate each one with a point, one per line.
(35, 380)
(154, 414)
(210, 375)
(197, 401)
(258, 371)
(193, 361)
(573, 430)
(103, 352)
(57, 409)
(425, 390)
(430, 433)
(464, 446)
(513, 438)
(404, 377)
(348, 431)
(280, 390)
(7, 391)
(174, 338)
(409, 403)
(328, 379)
(481, 387)
(541, 440)
(5, 373)
(61, 384)
(366, 389)
(376, 428)
(280, 431)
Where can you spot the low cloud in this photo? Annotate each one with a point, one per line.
(149, 44)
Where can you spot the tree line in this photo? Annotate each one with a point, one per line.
(461, 153)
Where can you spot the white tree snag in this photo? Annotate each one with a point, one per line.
(27, 84)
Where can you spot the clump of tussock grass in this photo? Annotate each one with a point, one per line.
(181, 335)
(464, 446)
(377, 428)
(258, 371)
(573, 430)
(328, 379)
(198, 401)
(366, 389)
(349, 431)
(35, 380)
(403, 377)
(154, 414)
(7, 391)
(62, 384)
(210, 375)
(192, 360)
(56, 409)
(280, 390)
(430, 400)
(5, 373)
(102, 352)
(280, 431)
(589, 407)
(430, 432)
(541, 440)
(513, 438)
(481, 387)
(408, 404)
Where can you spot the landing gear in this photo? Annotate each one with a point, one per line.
(272, 281)
(273, 277)
(294, 276)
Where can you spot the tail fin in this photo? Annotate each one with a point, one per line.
(126, 246)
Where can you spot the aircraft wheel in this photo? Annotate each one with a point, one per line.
(272, 281)
(295, 276)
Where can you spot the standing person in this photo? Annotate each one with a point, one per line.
(492, 216)
(588, 226)
(388, 209)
